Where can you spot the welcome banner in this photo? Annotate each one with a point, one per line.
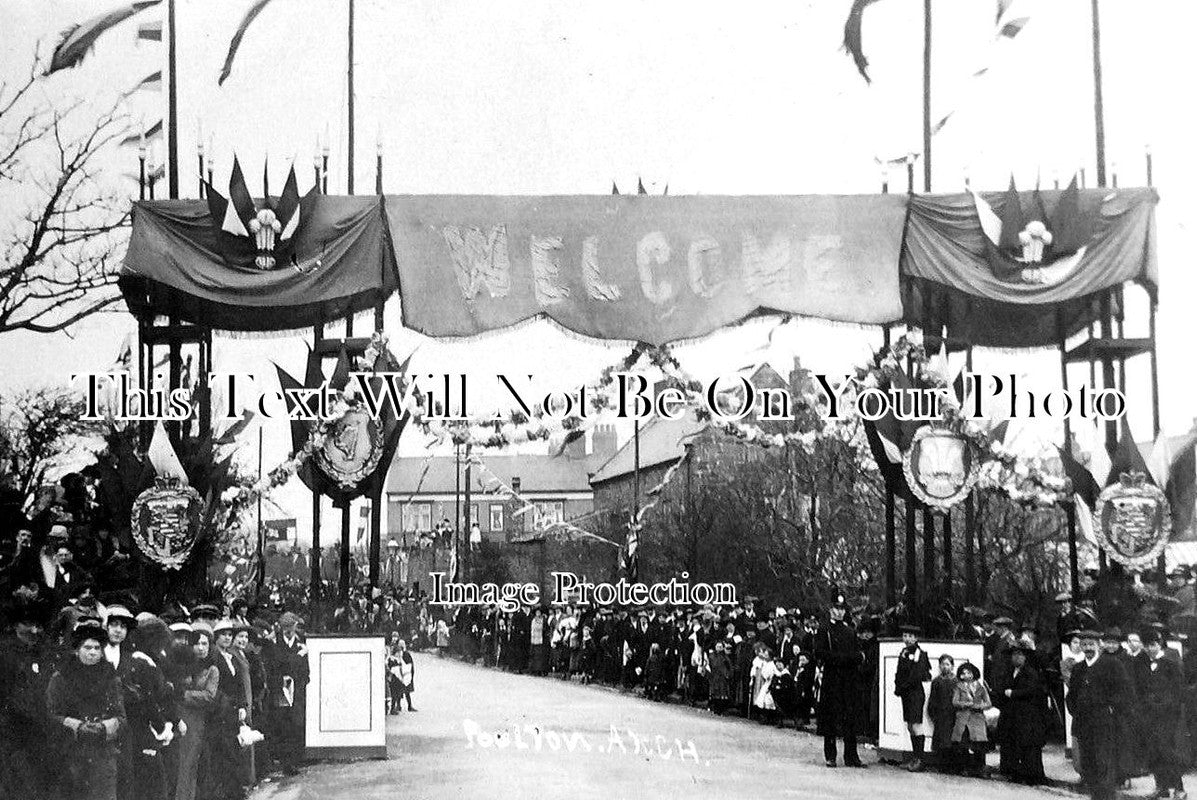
(654, 269)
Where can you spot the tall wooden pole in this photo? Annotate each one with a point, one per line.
(928, 550)
(317, 335)
(172, 105)
(467, 555)
(912, 581)
(349, 154)
(1099, 123)
(927, 95)
(344, 566)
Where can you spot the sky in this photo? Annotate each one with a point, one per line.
(712, 98)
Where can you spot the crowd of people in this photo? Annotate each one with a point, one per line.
(1130, 700)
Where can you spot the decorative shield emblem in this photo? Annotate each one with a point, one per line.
(1135, 520)
(351, 449)
(940, 466)
(166, 522)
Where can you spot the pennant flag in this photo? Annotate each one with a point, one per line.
(614, 188)
(1182, 494)
(151, 133)
(640, 186)
(1085, 487)
(1127, 457)
(1013, 27)
(162, 456)
(853, 37)
(235, 42)
(149, 31)
(124, 356)
(75, 42)
(151, 82)
(1084, 520)
(1164, 453)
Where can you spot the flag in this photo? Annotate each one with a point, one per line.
(1164, 453)
(1182, 494)
(150, 31)
(75, 42)
(1083, 483)
(631, 546)
(235, 42)
(162, 456)
(1084, 520)
(124, 356)
(151, 133)
(1127, 457)
(151, 82)
(853, 32)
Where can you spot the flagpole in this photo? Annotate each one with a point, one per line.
(172, 106)
(1099, 124)
(927, 95)
(350, 94)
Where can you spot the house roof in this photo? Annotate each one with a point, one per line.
(661, 440)
(538, 473)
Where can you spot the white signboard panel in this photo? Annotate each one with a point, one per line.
(346, 697)
(893, 734)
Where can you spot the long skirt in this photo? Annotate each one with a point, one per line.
(91, 778)
(540, 659)
(190, 748)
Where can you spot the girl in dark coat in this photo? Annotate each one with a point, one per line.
(719, 679)
(942, 713)
(86, 712)
(1022, 726)
(913, 670)
(654, 673)
(196, 692)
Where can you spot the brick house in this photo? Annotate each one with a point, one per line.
(422, 491)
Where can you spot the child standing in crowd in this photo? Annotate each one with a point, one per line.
(588, 654)
(720, 678)
(942, 713)
(654, 673)
(804, 690)
(971, 700)
(912, 671)
(781, 688)
(762, 676)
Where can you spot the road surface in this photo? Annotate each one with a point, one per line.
(490, 734)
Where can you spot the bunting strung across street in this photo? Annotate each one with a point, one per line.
(652, 269)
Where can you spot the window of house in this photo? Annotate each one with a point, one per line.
(417, 517)
(549, 512)
(496, 517)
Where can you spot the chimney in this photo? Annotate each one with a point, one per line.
(604, 444)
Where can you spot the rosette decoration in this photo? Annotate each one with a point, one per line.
(347, 452)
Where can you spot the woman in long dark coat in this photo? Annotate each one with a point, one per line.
(86, 712)
(1022, 726)
(1161, 698)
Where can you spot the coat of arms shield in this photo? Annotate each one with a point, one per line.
(165, 522)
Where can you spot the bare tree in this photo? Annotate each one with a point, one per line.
(61, 231)
(38, 426)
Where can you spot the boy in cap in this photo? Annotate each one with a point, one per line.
(914, 669)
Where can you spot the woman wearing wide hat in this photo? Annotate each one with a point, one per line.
(86, 712)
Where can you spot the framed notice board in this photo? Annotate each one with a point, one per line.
(346, 697)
